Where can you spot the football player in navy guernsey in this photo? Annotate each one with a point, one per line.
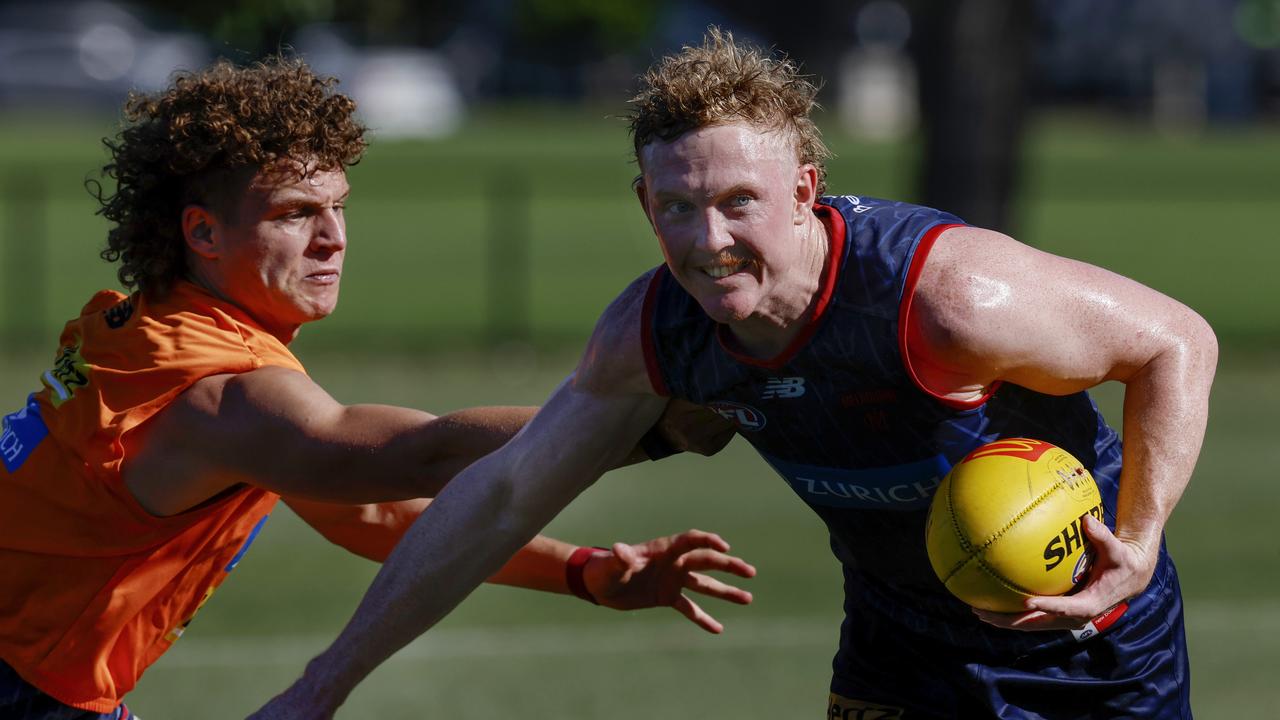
(863, 347)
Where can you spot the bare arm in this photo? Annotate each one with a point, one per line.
(476, 524)
(372, 530)
(589, 423)
(276, 429)
(626, 577)
(989, 308)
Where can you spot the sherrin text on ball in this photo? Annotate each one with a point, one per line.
(1007, 524)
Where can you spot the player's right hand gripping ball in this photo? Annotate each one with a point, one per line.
(1007, 523)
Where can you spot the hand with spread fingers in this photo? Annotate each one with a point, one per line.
(656, 573)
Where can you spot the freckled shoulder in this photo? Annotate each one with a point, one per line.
(613, 363)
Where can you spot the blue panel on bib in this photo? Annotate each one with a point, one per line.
(22, 431)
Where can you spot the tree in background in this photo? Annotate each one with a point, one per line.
(973, 61)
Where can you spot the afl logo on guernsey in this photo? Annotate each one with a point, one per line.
(744, 417)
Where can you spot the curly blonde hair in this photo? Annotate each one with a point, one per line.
(201, 141)
(721, 82)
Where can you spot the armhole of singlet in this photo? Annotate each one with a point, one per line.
(904, 313)
(828, 280)
(651, 365)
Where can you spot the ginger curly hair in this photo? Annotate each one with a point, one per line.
(722, 82)
(201, 141)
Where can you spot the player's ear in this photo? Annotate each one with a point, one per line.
(806, 192)
(200, 231)
(642, 194)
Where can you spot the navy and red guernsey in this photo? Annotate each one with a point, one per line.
(841, 418)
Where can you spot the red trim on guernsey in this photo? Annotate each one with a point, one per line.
(904, 312)
(646, 335)
(826, 288)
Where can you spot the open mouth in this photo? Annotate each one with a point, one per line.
(725, 269)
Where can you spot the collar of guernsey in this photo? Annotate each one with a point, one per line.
(96, 588)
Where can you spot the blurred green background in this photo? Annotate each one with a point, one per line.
(433, 226)
(433, 222)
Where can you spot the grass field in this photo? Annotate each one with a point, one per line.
(506, 651)
(556, 657)
(1190, 218)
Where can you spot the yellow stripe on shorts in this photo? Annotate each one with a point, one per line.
(840, 707)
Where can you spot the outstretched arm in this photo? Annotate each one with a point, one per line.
(277, 429)
(475, 524)
(491, 509)
(989, 308)
(626, 577)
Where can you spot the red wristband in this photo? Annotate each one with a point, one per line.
(573, 572)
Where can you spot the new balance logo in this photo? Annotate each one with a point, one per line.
(789, 387)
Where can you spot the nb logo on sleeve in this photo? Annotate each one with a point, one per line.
(787, 387)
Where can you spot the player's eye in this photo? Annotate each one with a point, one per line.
(740, 200)
(678, 207)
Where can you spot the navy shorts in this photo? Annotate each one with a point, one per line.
(20, 700)
(1136, 668)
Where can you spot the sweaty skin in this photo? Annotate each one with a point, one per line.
(734, 216)
(987, 309)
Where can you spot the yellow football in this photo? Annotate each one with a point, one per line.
(1007, 523)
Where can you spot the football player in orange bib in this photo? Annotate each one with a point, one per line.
(171, 420)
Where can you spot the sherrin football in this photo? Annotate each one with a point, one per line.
(1007, 523)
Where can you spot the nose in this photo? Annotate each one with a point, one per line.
(714, 233)
(330, 231)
